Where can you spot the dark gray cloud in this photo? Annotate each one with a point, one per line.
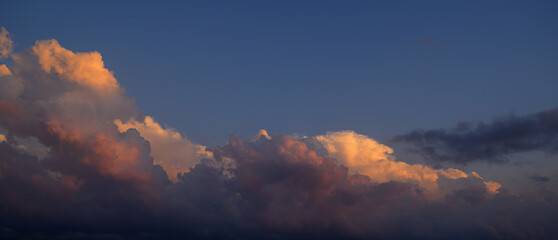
(539, 178)
(487, 142)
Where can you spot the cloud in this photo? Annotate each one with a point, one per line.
(286, 187)
(79, 102)
(85, 69)
(280, 188)
(105, 174)
(68, 102)
(539, 178)
(487, 142)
(366, 156)
(10, 87)
(170, 149)
(6, 43)
(290, 190)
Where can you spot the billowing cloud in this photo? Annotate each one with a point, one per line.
(68, 102)
(487, 142)
(85, 69)
(366, 156)
(169, 148)
(290, 190)
(103, 171)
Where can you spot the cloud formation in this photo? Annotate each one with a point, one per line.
(68, 102)
(110, 172)
(366, 156)
(487, 142)
(290, 190)
(169, 148)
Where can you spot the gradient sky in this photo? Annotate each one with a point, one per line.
(379, 68)
(463, 92)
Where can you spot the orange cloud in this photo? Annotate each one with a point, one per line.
(366, 156)
(6, 43)
(86, 69)
(4, 70)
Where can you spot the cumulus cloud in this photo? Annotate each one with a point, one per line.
(68, 102)
(290, 190)
(487, 142)
(106, 174)
(85, 69)
(169, 148)
(366, 156)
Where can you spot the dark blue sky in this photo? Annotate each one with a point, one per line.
(210, 69)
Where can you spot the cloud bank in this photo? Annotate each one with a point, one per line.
(110, 172)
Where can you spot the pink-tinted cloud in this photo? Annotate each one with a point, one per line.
(170, 150)
(69, 102)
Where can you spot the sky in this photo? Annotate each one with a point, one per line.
(399, 119)
(378, 68)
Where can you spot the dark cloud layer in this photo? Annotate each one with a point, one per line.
(487, 142)
(279, 189)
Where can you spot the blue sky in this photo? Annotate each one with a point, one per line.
(210, 69)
